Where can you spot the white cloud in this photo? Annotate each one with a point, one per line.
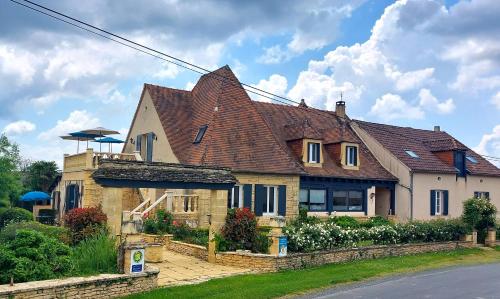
(273, 55)
(276, 84)
(19, 127)
(392, 106)
(76, 121)
(18, 63)
(430, 102)
(413, 79)
(495, 100)
(116, 97)
(490, 144)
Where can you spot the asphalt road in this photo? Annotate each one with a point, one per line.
(481, 281)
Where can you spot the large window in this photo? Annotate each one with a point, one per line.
(236, 197)
(269, 205)
(351, 155)
(351, 201)
(439, 203)
(313, 199)
(313, 152)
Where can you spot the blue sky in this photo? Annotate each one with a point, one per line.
(413, 63)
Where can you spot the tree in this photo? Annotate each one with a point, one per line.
(10, 178)
(39, 175)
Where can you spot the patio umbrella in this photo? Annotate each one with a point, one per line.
(78, 138)
(100, 131)
(110, 141)
(34, 196)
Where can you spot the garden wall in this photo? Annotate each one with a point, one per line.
(268, 263)
(95, 287)
(196, 251)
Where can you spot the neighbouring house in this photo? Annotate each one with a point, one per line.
(436, 172)
(282, 156)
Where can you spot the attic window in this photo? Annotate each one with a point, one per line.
(201, 133)
(412, 154)
(471, 159)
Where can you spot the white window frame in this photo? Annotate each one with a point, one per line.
(349, 154)
(438, 203)
(266, 211)
(311, 152)
(240, 199)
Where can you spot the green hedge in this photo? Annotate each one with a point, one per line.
(10, 215)
(8, 233)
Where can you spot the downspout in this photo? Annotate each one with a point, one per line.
(411, 195)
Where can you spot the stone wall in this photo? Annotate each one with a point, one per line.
(95, 287)
(264, 262)
(196, 251)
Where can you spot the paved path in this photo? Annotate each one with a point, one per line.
(178, 269)
(482, 281)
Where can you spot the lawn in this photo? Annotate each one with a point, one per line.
(273, 285)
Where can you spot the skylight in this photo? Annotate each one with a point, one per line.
(201, 133)
(412, 154)
(471, 159)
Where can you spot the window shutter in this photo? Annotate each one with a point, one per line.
(355, 153)
(229, 198)
(487, 195)
(149, 147)
(318, 152)
(445, 202)
(433, 202)
(282, 200)
(346, 162)
(260, 197)
(247, 196)
(138, 140)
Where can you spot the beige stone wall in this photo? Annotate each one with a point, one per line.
(95, 287)
(196, 251)
(146, 121)
(458, 190)
(264, 262)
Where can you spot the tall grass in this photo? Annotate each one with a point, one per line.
(95, 255)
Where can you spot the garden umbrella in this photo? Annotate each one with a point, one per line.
(101, 132)
(110, 141)
(34, 196)
(78, 138)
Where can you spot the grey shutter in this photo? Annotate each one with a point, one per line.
(247, 196)
(260, 197)
(149, 147)
(138, 140)
(445, 202)
(433, 202)
(282, 200)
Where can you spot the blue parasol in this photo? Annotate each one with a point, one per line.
(109, 140)
(34, 196)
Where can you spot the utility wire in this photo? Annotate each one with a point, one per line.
(188, 65)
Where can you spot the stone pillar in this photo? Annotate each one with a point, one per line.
(276, 235)
(491, 238)
(217, 217)
(370, 209)
(112, 207)
(129, 258)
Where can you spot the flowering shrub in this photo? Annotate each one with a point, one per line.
(384, 234)
(240, 229)
(479, 214)
(84, 223)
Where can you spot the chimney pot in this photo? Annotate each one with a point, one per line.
(303, 104)
(340, 108)
(437, 129)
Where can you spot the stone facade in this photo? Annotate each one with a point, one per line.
(95, 287)
(196, 251)
(269, 263)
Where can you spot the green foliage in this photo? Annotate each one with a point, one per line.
(375, 221)
(85, 223)
(479, 213)
(14, 215)
(345, 221)
(221, 244)
(184, 233)
(33, 256)
(149, 226)
(10, 178)
(94, 255)
(240, 229)
(39, 175)
(161, 223)
(262, 243)
(8, 233)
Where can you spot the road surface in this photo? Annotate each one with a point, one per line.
(480, 281)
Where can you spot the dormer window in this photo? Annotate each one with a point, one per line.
(200, 134)
(459, 159)
(351, 156)
(313, 152)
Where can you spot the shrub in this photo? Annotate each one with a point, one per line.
(85, 223)
(479, 213)
(161, 223)
(375, 221)
(240, 229)
(14, 215)
(94, 255)
(345, 221)
(261, 243)
(33, 256)
(150, 227)
(384, 234)
(8, 233)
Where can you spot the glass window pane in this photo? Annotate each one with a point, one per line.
(339, 200)
(303, 195)
(271, 199)
(355, 194)
(355, 203)
(317, 196)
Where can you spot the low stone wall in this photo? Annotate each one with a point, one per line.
(196, 251)
(265, 262)
(95, 287)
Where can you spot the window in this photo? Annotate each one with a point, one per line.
(351, 155)
(460, 162)
(412, 154)
(313, 199)
(271, 201)
(471, 159)
(481, 194)
(201, 132)
(236, 197)
(351, 201)
(313, 152)
(438, 202)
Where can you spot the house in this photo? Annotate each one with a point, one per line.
(282, 156)
(436, 172)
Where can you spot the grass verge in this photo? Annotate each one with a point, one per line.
(273, 285)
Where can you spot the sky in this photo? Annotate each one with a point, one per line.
(416, 63)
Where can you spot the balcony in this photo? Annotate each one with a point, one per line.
(90, 159)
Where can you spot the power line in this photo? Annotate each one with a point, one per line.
(180, 62)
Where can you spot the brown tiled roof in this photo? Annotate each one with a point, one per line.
(426, 144)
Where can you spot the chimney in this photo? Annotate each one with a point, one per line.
(340, 108)
(437, 129)
(303, 104)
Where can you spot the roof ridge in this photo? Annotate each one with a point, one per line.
(165, 87)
